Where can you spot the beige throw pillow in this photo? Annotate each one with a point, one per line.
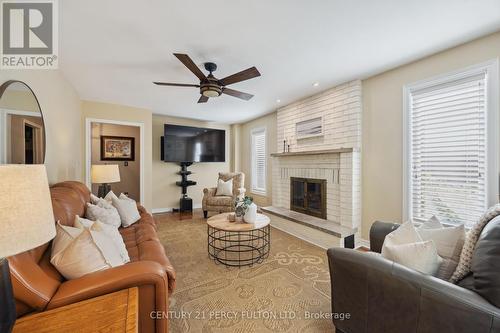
(75, 253)
(224, 188)
(449, 242)
(127, 208)
(97, 227)
(405, 246)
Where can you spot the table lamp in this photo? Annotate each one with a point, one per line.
(26, 221)
(105, 174)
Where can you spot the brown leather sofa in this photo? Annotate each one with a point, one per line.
(38, 286)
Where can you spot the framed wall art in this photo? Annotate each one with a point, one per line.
(117, 148)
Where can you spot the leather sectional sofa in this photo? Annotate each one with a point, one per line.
(38, 286)
(382, 296)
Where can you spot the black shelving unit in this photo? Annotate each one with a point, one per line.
(185, 203)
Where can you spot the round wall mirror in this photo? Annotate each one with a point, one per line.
(22, 131)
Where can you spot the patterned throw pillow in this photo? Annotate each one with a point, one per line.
(104, 212)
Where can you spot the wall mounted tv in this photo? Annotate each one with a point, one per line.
(193, 144)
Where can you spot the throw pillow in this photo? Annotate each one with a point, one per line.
(94, 198)
(405, 246)
(75, 252)
(449, 242)
(127, 208)
(104, 212)
(432, 223)
(224, 188)
(97, 226)
(109, 197)
(420, 256)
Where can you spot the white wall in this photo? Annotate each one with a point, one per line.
(382, 166)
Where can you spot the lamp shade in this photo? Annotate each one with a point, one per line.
(26, 216)
(105, 173)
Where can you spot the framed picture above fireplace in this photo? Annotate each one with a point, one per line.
(309, 128)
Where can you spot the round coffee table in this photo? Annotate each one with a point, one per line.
(238, 244)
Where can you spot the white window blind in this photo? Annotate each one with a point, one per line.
(448, 150)
(259, 161)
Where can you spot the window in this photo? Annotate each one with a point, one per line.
(451, 146)
(259, 161)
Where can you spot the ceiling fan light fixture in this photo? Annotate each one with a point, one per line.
(210, 90)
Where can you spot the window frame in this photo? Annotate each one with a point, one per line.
(253, 188)
(492, 128)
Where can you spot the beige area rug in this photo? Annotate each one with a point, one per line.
(288, 292)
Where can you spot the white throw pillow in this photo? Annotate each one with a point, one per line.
(405, 246)
(127, 208)
(420, 256)
(75, 252)
(449, 242)
(109, 197)
(97, 227)
(224, 188)
(104, 212)
(432, 223)
(94, 198)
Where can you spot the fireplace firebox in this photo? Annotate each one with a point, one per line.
(308, 196)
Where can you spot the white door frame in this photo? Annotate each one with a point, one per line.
(88, 149)
(3, 128)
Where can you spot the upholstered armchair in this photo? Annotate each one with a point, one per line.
(223, 203)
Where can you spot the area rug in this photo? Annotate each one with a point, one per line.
(288, 292)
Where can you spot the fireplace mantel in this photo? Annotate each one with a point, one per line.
(315, 152)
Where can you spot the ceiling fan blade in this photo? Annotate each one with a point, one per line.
(236, 93)
(176, 84)
(246, 74)
(203, 99)
(186, 60)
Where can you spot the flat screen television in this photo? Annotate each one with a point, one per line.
(193, 144)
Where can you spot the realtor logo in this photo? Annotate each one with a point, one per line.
(29, 34)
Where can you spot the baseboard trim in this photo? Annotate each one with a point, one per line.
(170, 209)
(362, 242)
(161, 210)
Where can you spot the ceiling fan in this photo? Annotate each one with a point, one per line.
(209, 85)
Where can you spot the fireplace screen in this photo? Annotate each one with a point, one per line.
(308, 196)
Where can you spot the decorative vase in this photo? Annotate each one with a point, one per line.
(251, 213)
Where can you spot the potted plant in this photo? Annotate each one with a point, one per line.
(245, 209)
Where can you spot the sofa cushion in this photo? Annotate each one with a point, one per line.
(221, 200)
(485, 265)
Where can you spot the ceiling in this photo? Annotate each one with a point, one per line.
(112, 50)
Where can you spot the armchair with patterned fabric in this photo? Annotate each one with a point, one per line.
(223, 203)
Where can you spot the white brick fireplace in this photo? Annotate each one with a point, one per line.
(333, 154)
